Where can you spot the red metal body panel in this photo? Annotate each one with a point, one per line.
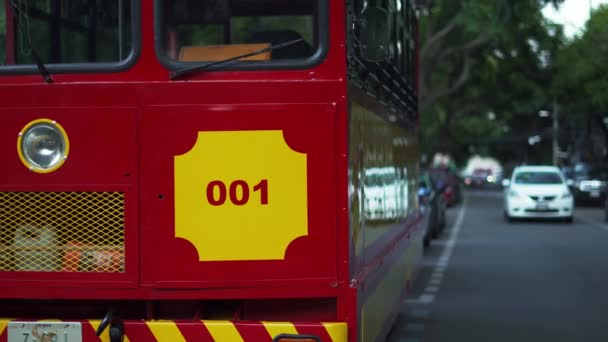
(307, 258)
(125, 129)
(107, 115)
(103, 139)
(103, 158)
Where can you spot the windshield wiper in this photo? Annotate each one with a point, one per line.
(201, 67)
(18, 13)
(44, 72)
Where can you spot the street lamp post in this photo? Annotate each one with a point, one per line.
(554, 113)
(555, 133)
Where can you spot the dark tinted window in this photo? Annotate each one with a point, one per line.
(65, 31)
(537, 178)
(596, 173)
(211, 30)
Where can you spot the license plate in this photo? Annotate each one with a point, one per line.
(44, 332)
(595, 194)
(542, 207)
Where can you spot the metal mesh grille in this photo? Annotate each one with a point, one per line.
(62, 231)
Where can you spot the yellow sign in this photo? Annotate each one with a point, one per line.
(241, 195)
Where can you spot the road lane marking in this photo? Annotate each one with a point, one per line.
(447, 252)
(414, 327)
(442, 263)
(437, 274)
(435, 281)
(423, 299)
(420, 313)
(432, 288)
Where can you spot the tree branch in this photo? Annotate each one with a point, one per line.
(460, 81)
(439, 35)
(480, 40)
(464, 110)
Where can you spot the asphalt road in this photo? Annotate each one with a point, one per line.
(488, 280)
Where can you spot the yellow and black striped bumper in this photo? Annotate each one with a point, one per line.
(207, 331)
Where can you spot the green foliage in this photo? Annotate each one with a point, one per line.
(481, 57)
(581, 68)
(200, 34)
(242, 27)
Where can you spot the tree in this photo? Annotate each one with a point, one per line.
(483, 59)
(582, 67)
(581, 83)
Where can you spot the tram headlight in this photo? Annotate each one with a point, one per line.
(43, 145)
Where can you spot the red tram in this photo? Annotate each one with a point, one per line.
(203, 170)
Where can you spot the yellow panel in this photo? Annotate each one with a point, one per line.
(277, 328)
(378, 304)
(62, 231)
(4, 324)
(223, 331)
(383, 172)
(241, 195)
(166, 331)
(337, 331)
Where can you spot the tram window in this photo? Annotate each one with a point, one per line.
(65, 31)
(395, 27)
(212, 30)
(399, 28)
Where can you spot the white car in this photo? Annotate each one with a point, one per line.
(537, 192)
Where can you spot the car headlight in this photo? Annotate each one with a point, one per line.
(43, 145)
(566, 195)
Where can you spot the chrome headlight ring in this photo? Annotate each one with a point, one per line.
(43, 146)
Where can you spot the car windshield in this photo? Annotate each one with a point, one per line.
(482, 172)
(537, 177)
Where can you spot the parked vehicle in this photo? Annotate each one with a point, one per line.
(606, 209)
(479, 178)
(432, 199)
(537, 192)
(448, 180)
(590, 184)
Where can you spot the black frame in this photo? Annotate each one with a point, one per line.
(304, 63)
(392, 86)
(97, 67)
(295, 337)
